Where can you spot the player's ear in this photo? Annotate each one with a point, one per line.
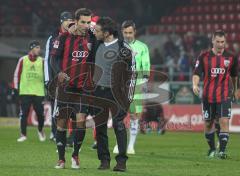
(135, 31)
(212, 40)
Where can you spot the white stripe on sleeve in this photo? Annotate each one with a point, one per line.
(46, 58)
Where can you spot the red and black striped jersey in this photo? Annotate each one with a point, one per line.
(71, 55)
(216, 71)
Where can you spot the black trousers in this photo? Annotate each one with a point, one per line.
(25, 103)
(118, 125)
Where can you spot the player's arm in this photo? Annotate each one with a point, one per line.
(195, 82)
(46, 61)
(198, 70)
(146, 62)
(56, 58)
(17, 74)
(234, 76)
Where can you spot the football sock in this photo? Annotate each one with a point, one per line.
(210, 140)
(61, 143)
(79, 135)
(223, 138)
(133, 131)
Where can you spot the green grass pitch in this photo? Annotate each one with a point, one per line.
(173, 154)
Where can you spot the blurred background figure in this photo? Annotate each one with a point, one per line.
(153, 118)
(29, 82)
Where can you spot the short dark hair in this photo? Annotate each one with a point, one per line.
(219, 33)
(82, 12)
(108, 25)
(128, 23)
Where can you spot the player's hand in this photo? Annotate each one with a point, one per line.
(14, 92)
(72, 29)
(196, 90)
(62, 77)
(235, 93)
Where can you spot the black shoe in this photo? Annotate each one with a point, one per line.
(105, 164)
(120, 167)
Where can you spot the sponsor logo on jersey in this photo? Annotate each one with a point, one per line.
(80, 54)
(217, 71)
(56, 44)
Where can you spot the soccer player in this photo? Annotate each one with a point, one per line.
(69, 58)
(29, 82)
(111, 87)
(66, 18)
(141, 52)
(219, 69)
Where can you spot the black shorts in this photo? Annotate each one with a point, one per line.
(68, 109)
(216, 110)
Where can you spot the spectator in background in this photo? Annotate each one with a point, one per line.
(171, 65)
(188, 40)
(3, 99)
(183, 66)
(201, 42)
(236, 49)
(169, 47)
(156, 58)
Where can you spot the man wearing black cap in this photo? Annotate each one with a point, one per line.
(29, 82)
(66, 19)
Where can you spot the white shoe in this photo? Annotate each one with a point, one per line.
(60, 164)
(115, 150)
(41, 136)
(131, 151)
(22, 138)
(75, 163)
(51, 137)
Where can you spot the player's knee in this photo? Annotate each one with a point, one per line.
(81, 124)
(61, 124)
(208, 125)
(81, 120)
(224, 124)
